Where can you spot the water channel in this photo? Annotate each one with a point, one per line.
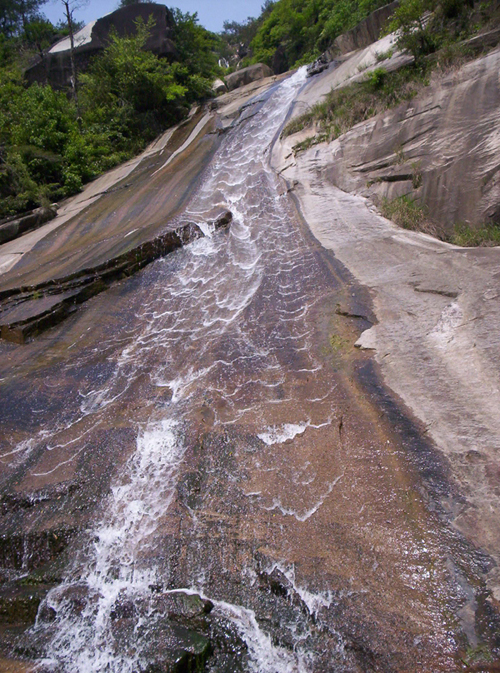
(222, 447)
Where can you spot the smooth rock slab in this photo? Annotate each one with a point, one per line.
(26, 312)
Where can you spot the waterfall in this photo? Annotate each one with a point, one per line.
(197, 305)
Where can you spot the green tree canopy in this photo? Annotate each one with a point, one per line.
(16, 14)
(302, 29)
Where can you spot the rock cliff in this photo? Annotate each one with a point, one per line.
(441, 148)
(366, 32)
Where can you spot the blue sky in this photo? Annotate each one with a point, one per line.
(211, 13)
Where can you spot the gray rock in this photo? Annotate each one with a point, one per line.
(219, 86)
(247, 75)
(366, 32)
(16, 226)
(425, 147)
(437, 305)
(318, 66)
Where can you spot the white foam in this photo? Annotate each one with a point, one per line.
(308, 513)
(315, 602)
(84, 641)
(283, 433)
(265, 657)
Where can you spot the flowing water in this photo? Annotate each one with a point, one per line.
(193, 331)
(244, 469)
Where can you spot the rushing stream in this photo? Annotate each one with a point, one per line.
(194, 328)
(241, 483)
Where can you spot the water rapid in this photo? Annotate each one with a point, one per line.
(196, 326)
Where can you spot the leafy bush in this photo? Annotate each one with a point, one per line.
(376, 79)
(424, 26)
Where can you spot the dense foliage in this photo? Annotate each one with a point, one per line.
(424, 26)
(237, 36)
(302, 29)
(128, 96)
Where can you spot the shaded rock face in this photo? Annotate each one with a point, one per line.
(280, 61)
(55, 67)
(248, 75)
(439, 149)
(13, 227)
(366, 32)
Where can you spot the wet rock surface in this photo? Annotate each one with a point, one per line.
(26, 312)
(433, 339)
(238, 488)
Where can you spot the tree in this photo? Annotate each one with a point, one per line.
(70, 6)
(196, 52)
(130, 90)
(424, 25)
(414, 32)
(39, 34)
(16, 14)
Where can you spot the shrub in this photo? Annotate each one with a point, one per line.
(488, 235)
(408, 214)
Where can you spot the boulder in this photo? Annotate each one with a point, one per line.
(55, 66)
(247, 75)
(219, 86)
(318, 66)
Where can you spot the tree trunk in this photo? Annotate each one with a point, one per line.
(74, 80)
